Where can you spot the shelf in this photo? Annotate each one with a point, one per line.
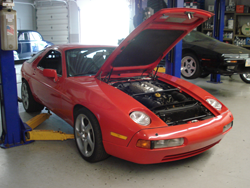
(208, 29)
(242, 36)
(237, 17)
(242, 14)
(211, 29)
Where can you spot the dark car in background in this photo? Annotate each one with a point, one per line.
(203, 55)
(29, 42)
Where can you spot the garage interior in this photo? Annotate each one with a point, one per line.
(58, 163)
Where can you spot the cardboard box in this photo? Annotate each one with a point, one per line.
(239, 8)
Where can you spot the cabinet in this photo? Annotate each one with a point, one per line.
(230, 34)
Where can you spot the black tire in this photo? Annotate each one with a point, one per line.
(204, 75)
(29, 103)
(190, 66)
(245, 77)
(88, 136)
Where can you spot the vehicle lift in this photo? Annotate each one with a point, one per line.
(14, 131)
(173, 58)
(219, 10)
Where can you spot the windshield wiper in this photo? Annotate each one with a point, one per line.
(87, 73)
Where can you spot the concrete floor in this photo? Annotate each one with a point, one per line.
(58, 163)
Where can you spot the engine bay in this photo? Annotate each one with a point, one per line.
(170, 104)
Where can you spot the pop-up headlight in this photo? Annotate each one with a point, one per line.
(140, 118)
(214, 104)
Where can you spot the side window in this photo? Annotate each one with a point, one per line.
(23, 36)
(52, 60)
(35, 36)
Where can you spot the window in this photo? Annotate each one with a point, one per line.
(52, 60)
(35, 36)
(81, 62)
(23, 36)
(35, 56)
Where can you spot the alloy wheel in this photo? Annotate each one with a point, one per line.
(188, 66)
(25, 95)
(85, 136)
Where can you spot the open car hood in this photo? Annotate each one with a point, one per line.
(144, 48)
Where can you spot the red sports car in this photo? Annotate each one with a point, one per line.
(118, 105)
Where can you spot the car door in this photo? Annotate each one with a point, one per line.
(24, 48)
(47, 89)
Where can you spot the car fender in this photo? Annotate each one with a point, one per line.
(110, 106)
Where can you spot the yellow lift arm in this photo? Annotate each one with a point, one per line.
(44, 134)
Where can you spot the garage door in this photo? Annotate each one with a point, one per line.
(53, 23)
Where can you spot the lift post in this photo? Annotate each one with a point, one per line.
(219, 10)
(13, 129)
(173, 58)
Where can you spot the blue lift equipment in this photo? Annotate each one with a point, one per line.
(13, 129)
(173, 58)
(219, 10)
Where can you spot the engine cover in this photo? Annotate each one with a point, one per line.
(144, 87)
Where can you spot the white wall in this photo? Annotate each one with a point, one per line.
(25, 14)
(103, 21)
(74, 23)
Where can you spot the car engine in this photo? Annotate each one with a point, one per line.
(171, 104)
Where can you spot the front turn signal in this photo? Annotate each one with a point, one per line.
(146, 144)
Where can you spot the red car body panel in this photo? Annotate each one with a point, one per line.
(112, 106)
(158, 21)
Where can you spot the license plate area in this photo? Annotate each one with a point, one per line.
(247, 64)
(230, 67)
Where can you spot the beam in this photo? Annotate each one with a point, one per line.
(219, 10)
(173, 58)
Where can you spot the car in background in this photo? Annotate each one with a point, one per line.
(203, 55)
(29, 43)
(15, 55)
(117, 106)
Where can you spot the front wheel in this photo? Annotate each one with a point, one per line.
(190, 66)
(88, 136)
(245, 77)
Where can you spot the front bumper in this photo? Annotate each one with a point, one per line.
(199, 137)
(226, 68)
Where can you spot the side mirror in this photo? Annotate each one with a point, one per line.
(51, 73)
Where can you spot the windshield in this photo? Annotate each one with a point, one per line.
(86, 61)
(195, 36)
